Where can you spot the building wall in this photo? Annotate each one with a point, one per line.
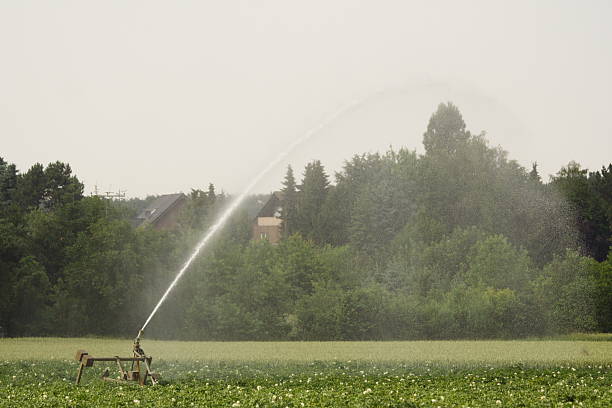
(269, 231)
(269, 221)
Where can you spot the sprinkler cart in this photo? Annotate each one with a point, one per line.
(140, 368)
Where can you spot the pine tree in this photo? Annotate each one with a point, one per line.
(211, 193)
(534, 175)
(445, 131)
(289, 203)
(313, 192)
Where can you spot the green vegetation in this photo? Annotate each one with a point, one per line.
(458, 243)
(36, 372)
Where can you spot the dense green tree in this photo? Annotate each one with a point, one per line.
(12, 249)
(589, 207)
(386, 203)
(320, 314)
(446, 131)
(363, 311)
(300, 264)
(31, 187)
(289, 203)
(601, 182)
(48, 187)
(534, 175)
(31, 292)
(494, 262)
(212, 196)
(404, 317)
(200, 210)
(8, 185)
(50, 232)
(312, 195)
(430, 269)
(473, 184)
(603, 278)
(460, 242)
(567, 292)
(241, 298)
(105, 265)
(483, 312)
(261, 288)
(356, 175)
(61, 186)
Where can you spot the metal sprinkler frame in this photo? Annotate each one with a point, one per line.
(139, 371)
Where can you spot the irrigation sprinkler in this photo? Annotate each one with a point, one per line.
(140, 368)
(141, 363)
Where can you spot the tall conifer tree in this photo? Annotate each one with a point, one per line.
(313, 192)
(289, 203)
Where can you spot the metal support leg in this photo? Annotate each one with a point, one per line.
(79, 374)
(121, 370)
(149, 372)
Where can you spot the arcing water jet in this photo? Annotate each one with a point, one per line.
(236, 203)
(140, 362)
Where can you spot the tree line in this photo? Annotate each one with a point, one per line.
(459, 242)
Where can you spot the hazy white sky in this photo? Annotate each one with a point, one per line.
(161, 96)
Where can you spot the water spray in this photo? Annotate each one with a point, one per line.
(141, 363)
(236, 203)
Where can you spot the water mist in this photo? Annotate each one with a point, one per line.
(226, 214)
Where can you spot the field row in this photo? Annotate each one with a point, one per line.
(440, 352)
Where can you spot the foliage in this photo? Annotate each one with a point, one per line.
(590, 196)
(459, 242)
(289, 203)
(569, 293)
(313, 192)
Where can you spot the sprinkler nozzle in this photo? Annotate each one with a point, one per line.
(137, 349)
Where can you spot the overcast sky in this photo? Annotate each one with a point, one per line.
(157, 97)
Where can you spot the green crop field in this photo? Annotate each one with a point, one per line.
(40, 373)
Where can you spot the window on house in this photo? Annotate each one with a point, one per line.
(263, 235)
